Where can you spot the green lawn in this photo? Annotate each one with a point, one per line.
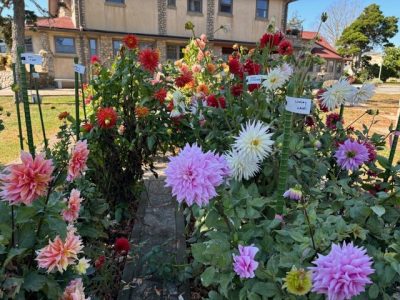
(51, 107)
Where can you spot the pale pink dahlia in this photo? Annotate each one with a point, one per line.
(244, 264)
(194, 175)
(343, 273)
(71, 213)
(77, 162)
(74, 291)
(59, 254)
(293, 194)
(351, 155)
(27, 181)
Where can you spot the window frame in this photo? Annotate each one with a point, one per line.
(169, 5)
(178, 51)
(64, 37)
(31, 44)
(266, 10)
(115, 51)
(115, 1)
(330, 66)
(90, 47)
(195, 11)
(224, 12)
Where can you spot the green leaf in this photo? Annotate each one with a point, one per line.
(198, 252)
(57, 225)
(13, 253)
(373, 291)
(207, 278)
(379, 210)
(266, 289)
(52, 288)
(24, 214)
(151, 140)
(33, 282)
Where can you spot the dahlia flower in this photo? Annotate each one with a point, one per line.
(194, 175)
(27, 181)
(94, 59)
(77, 162)
(122, 245)
(337, 94)
(213, 101)
(141, 111)
(160, 95)
(275, 79)
(286, 69)
(235, 67)
(371, 150)
(364, 93)
(82, 266)
(298, 281)
(74, 291)
(332, 120)
(149, 58)
(285, 48)
(241, 166)
(343, 273)
(271, 40)
(237, 89)
(59, 254)
(244, 264)
(254, 141)
(71, 213)
(106, 117)
(130, 41)
(183, 79)
(293, 194)
(351, 155)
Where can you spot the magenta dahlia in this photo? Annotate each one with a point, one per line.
(343, 273)
(351, 155)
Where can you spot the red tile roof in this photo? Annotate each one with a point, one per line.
(326, 50)
(60, 23)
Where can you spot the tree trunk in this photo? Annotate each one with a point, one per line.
(18, 27)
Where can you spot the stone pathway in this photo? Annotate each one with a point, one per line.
(159, 228)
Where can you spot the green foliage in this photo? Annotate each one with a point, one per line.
(392, 60)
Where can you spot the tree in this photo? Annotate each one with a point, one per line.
(391, 59)
(341, 13)
(370, 29)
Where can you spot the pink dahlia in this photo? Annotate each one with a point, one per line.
(244, 264)
(293, 194)
(71, 213)
(343, 273)
(27, 181)
(77, 162)
(351, 155)
(371, 150)
(194, 175)
(74, 291)
(59, 254)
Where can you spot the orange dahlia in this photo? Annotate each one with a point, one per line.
(141, 111)
(107, 117)
(202, 88)
(130, 41)
(160, 95)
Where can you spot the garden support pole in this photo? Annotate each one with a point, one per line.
(83, 98)
(40, 108)
(25, 100)
(21, 138)
(393, 148)
(77, 123)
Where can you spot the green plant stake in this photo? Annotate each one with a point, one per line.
(341, 111)
(32, 68)
(25, 100)
(15, 89)
(83, 98)
(77, 123)
(393, 149)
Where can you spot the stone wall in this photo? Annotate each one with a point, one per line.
(162, 17)
(6, 79)
(106, 49)
(210, 18)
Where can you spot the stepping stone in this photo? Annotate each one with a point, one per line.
(159, 227)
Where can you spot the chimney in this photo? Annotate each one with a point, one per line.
(64, 8)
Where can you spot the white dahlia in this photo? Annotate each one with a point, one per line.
(241, 166)
(338, 94)
(364, 93)
(275, 79)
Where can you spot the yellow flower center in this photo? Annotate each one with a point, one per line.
(255, 142)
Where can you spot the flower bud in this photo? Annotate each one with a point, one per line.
(189, 25)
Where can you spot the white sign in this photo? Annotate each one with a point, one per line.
(79, 69)
(35, 75)
(298, 105)
(31, 59)
(255, 79)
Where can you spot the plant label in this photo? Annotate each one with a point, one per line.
(31, 59)
(79, 69)
(255, 79)
(35, 75)
(298, 105)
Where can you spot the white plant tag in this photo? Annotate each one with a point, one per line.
(79, 69)
(255, 79)
(298, 105)
(31, 59)
(35, 75)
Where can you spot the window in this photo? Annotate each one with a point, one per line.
(318, 68)
(262, 9)
(330, 66)
(174, 52)
(195, 6)
(339, 68)
(171, 3)
(144, 45)
(93, 47)
(65, 45)
(116, 1)
(3, 48)
(225, 6)
(116, 46)
(226, 52)
(28, 44)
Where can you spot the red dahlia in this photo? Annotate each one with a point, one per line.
(251, 67)
(331, 120)
(371, 151)
(309, 121)
(184, 79)
(94, 59)
(213, 101)
(106, 117)
(235, 67)
(99, 262)
(160, 95)
(63, 115)
(285, 48)
(87, 127)
(271, 40)
(130, 41)
(237, 89)
(148, 58)
(122, 244)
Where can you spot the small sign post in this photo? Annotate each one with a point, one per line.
(77, 122)
(21, 138)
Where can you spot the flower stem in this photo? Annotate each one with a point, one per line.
(341, 111)
(309, 227)
(393, 148)
(12, 226)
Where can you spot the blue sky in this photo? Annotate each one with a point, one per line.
(310, 11)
